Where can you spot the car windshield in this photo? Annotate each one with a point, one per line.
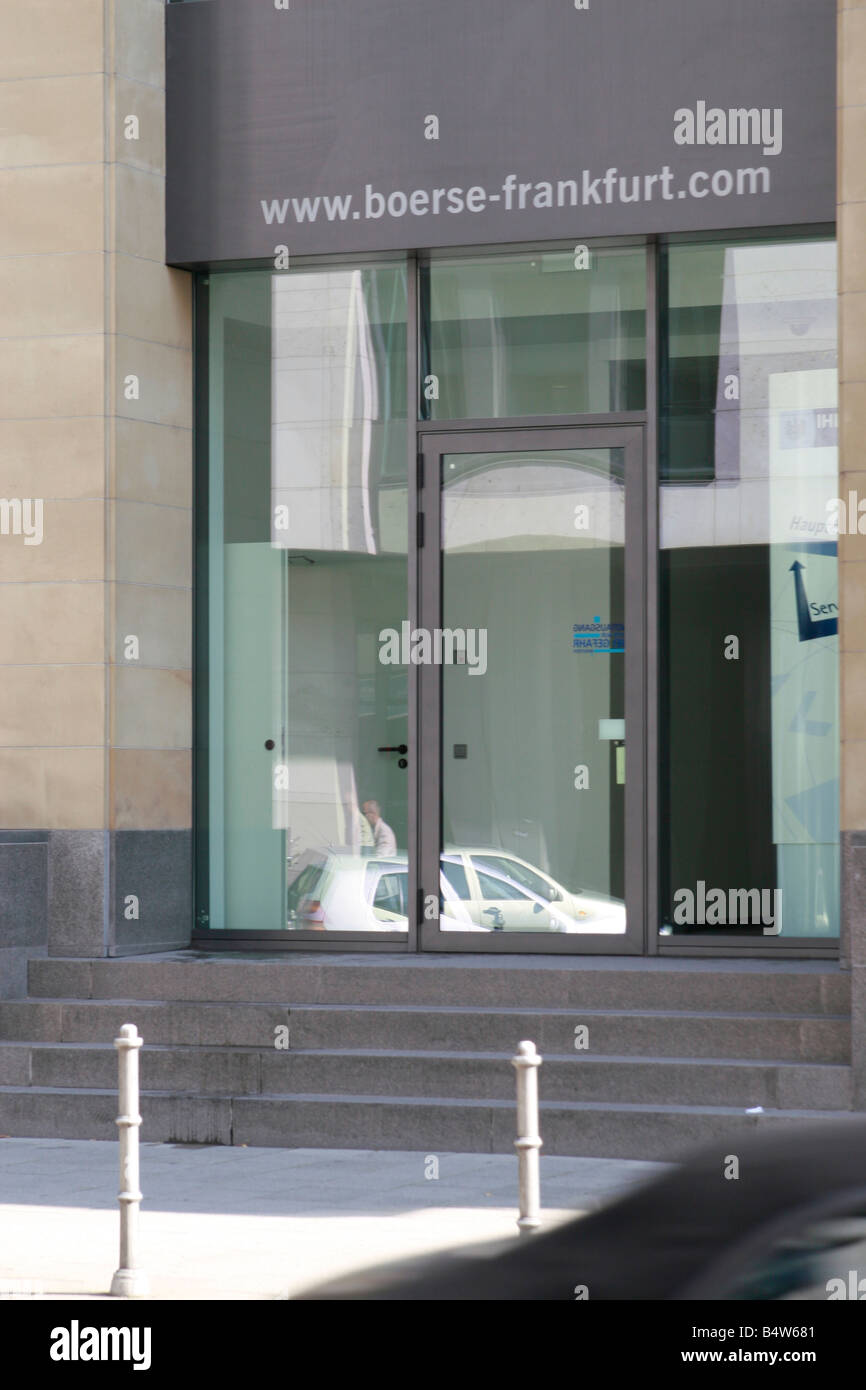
(304, 886)
(515, 872)
(390, 894)
(815, 1263)
(496, 887)
(454, 875)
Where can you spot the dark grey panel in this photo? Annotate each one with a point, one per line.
(23, 894)
(154, 866)
(13, 970)
(77, 892)
(321, 100)
(23, 906)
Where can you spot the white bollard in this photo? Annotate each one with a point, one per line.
(129, 1281)
(528, 1141)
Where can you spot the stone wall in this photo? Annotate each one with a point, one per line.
(95, 762)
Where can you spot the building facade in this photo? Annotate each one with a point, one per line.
(432, 489)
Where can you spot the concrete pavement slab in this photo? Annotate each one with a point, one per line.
(246, 1223)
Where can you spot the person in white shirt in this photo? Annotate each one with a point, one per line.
(384, 838)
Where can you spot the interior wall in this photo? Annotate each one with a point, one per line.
(533, 717)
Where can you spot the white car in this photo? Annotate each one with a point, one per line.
(332, 891)
(502, 891)
(481, 890)
(337, 891)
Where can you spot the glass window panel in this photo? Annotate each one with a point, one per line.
(305, 565)
(748, 580)
(813, 1258)
(535, 799)
(528, 334)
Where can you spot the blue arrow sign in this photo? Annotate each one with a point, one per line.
(809, 627)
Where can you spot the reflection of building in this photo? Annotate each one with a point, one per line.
(455, 420)
(765, 471)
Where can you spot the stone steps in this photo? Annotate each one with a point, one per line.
(390, 1051)
(534, 982)
(191, 1070)
(423, 1123)
(658, 1033)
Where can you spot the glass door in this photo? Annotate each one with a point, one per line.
(530, 651)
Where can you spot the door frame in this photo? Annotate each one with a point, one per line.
(426, 763)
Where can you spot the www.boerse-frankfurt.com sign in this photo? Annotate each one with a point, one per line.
(371, 125)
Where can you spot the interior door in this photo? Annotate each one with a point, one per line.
(531, 690)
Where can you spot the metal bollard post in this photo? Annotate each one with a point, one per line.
(129, 1281)
(528, 1141)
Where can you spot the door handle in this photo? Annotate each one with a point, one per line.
(394, 748)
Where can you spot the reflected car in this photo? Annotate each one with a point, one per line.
(502, 891)
(481, 890)
(335, 891)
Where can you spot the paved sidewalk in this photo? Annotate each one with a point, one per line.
(238, 1223)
